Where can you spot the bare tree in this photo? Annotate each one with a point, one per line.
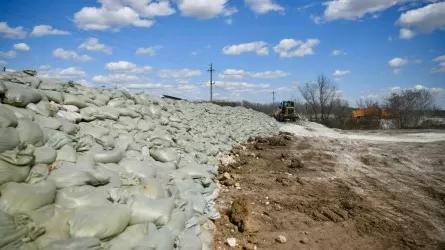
(363, 103)
(408, 106)
(319, 97)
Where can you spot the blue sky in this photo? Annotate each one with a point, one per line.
(366, 47)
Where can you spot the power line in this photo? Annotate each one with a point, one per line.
(211, 70)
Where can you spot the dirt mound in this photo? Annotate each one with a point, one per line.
(313, 192)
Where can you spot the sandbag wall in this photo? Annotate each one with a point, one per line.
(100, 168)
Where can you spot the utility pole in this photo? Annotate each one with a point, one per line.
(211, 70)
(273, 100)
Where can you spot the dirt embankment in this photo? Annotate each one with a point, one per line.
(324, 193)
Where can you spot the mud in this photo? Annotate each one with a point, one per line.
(328, 193)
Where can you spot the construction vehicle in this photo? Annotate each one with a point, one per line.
(285, 111)
(373, 111)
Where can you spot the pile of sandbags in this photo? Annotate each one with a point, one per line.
(93, 168)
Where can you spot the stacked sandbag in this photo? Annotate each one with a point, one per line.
(105, 168)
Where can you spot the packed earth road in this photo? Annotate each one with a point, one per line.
(312, 187)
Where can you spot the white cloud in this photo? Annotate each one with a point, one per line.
(10, 54)
(44, 30)
(182, 73)
(67, 73)
(116, 14)
(240, 86)
(117, 78)
(194, 53)
(22, 47)
(204, 9)
(423, 20)
(148, 86)
(2, 63)
(338, 52)
(439, 58)
(439, 68)
(419, 87)
(229, 21)
(239, 74)
(406, 34)
(45, 67)
(396, 71)
(128, 67)
(341, 72)
(260, 48)
(290, 48)
(355, 9)
(151, 51)
(397, 62)
(147, 8)
(93, 44)
(13, 33)
(70, 55)
(263, 6)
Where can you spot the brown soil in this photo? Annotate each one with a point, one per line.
(330, 194)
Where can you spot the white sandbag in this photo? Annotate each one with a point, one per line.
(48, 122)
(22, 197)
(7, 117)
(49, 84)
(140, 168)
(19, 156)
(177, 222)
(30, 133)
(67, 126)
(96, 132)
(15, 231)
(116, 103)
(102, 222)
(54, 96)
(145, 209)
(83, 243)
(56, 139)
(20, 97)
(102, 113)
(128, 112)
(144, 125)
(164, 154)
(84, 143)
(21, 113)
(70, 108)
(70, 116)
(41, 109)
(72, 197)
(9, 139)
(68, 175)
(76, 100)
(12, 173)
(153, 189)
(131, 236)
(44, 155)
(55, 221)
(38, 173)
(102, 98)
(154, 111)
(111, 156)
(161, 239)
(67, 153)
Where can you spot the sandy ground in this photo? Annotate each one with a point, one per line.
(329, 189)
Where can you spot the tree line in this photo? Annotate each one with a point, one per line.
(322, 103)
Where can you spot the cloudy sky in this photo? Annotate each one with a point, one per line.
(366, 47)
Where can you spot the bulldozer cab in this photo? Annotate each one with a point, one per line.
(286, 111)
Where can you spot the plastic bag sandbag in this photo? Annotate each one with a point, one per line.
(83, 243)
(67, 174)
(48, 122)
(54, 96)
(102, 222)
(19, 156)
(12, 173)
(7, 117)
(76, 100)
(9, 139)
(67, 153)
(111, 156)
(21, 96)
(22, 197)
(30, 133)
(164, 154)
(142, 169)
(145, 209)
(73, 197)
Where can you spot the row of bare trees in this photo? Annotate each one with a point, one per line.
(406, 107)
(322, 100)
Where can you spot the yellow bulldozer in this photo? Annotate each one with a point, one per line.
(285, 111)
